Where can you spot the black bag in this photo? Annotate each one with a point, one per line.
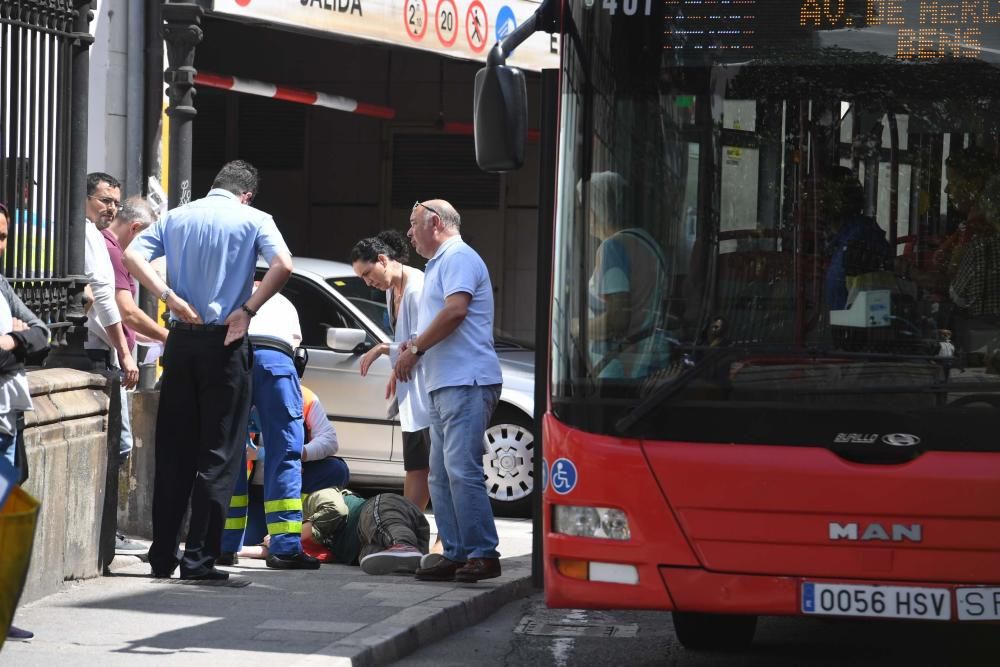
(20, 452)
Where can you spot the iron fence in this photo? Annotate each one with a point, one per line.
(36, 105)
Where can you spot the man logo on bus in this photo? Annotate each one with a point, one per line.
(896, 532)
(563, 477)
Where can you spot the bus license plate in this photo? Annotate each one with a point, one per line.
(978, 604)
(876, 601)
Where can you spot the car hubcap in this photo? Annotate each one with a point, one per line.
(508, 464)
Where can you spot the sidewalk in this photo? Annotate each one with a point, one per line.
(335, 616)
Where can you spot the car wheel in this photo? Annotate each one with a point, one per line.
(714, 632)
(508, 463)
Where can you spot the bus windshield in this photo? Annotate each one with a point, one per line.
(795, 206)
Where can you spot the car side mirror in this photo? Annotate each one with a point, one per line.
(352, 341)
(500, 117)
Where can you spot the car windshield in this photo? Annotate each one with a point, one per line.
(368, 300)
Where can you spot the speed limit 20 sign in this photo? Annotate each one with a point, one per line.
(446, 22)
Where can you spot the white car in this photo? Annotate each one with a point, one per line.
(342, 318)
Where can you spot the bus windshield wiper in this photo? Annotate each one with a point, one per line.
(710, 361)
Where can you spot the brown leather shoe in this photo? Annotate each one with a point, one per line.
(442, 571)
(477, 569)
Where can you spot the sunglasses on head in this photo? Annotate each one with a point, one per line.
(416, 204)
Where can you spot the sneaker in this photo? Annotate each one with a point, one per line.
(19, 634)
(428, 561)
(397, 558)
(299, 561)
(126, 547)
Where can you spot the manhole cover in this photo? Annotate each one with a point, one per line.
(532, 626)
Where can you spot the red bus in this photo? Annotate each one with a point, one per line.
(775, 320)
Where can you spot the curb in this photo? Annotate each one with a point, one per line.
(456, 608)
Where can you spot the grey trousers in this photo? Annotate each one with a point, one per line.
(389, 519)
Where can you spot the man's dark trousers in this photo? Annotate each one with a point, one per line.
(200, 430)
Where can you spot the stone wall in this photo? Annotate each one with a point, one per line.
(135, 480)
(67, 444)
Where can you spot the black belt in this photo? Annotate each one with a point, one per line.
(205, 328)
(97, 354)
(272, 344)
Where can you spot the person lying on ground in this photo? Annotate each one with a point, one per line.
(384, 534)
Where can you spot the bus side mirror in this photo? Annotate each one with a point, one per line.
(500, 115)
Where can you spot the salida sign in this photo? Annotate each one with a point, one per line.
(462, 28)
(342, 6)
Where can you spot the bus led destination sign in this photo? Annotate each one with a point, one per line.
(925, 29)
(907, 29)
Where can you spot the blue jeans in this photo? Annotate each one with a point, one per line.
(459, 417)
(7, 448)
(125, 446)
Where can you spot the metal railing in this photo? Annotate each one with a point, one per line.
(37, 39)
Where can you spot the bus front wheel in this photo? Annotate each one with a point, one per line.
(718, 632)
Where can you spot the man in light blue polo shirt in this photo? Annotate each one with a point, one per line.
(211, 247)
(462, 375)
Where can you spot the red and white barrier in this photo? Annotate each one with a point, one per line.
(298, 95)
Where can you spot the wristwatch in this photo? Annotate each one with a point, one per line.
(415, 350)
(166, 295)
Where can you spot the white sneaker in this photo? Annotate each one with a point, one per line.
(397, 558)
(128, 547)
(430, 560)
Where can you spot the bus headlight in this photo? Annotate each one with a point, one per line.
(602, 522)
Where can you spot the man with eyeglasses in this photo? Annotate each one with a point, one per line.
(107, 341)
(104, 198)
(462, 377)
(104, 322)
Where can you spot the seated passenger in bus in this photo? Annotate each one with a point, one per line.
(858, 245)
(975, 289)
(967, 170)
(627, 288)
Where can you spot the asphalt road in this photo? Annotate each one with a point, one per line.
(527, 633)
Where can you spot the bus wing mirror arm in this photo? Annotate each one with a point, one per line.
(545, 18)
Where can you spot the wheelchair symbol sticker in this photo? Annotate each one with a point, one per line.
(545, 473)
(563, 476)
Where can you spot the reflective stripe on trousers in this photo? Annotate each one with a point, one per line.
(277, 398)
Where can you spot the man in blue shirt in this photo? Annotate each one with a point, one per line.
(211, 247)
(462, 378)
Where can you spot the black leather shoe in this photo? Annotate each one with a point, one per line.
(477, 569)
(228, 558)
(444, 570)
(300, 561)
(211, 575)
